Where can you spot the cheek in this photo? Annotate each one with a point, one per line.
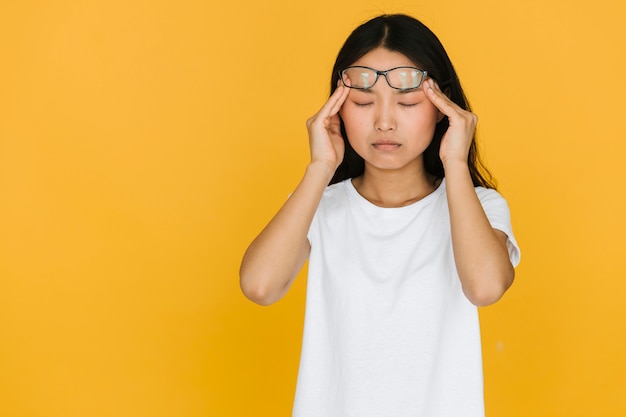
(355, 128)
(352, 121)
(427, 117)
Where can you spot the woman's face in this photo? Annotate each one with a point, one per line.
(388, 128)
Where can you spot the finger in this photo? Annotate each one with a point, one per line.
(456, 115)
(340, 100)
(440, 100)
(331, 107)
(334, 125)
(335, 101)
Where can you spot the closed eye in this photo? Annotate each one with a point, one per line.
(412, 97)
(363, 104)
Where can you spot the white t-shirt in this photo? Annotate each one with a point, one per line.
(388, 331)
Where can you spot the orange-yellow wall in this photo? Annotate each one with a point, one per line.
(144, 143)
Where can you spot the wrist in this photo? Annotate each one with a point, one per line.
(452, 164)
(457, 173)
(321, 169)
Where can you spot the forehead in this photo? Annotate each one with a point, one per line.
(383, 59)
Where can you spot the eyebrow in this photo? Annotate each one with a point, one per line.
(369, 91)
(412, 90)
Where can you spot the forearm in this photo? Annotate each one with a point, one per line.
(480, 252)
(275, 257)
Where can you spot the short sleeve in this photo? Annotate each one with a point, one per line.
(499, 215)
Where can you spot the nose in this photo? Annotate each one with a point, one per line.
(385, 118)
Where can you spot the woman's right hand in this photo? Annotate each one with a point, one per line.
(324, 129)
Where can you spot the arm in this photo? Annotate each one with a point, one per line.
(480, 252)
(275, 257)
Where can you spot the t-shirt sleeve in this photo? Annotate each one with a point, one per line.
(499, 215)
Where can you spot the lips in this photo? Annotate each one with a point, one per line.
(386, 145)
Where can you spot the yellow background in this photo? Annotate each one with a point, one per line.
(144, 143)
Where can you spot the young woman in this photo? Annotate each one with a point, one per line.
(403, 245)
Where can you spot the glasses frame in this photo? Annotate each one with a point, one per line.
(379, 73)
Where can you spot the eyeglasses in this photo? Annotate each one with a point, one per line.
(400, 78)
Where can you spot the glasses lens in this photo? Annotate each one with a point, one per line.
(358, 77)
(402, 78)
(405, 78)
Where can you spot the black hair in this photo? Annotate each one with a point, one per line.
(410, 37)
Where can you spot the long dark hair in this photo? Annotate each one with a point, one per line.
(410, 37)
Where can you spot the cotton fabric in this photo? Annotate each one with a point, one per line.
(388, 331)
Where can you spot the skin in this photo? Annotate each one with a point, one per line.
(390, 130)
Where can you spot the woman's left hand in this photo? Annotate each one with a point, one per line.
(456, 142)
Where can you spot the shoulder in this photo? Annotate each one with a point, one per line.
(497, 211)
(335, 194)
(489, 197)
(332, 209)
(335, 199)
(496, 208)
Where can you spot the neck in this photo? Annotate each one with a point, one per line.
(397, 188)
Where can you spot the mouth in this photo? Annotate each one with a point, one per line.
(385, 145)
